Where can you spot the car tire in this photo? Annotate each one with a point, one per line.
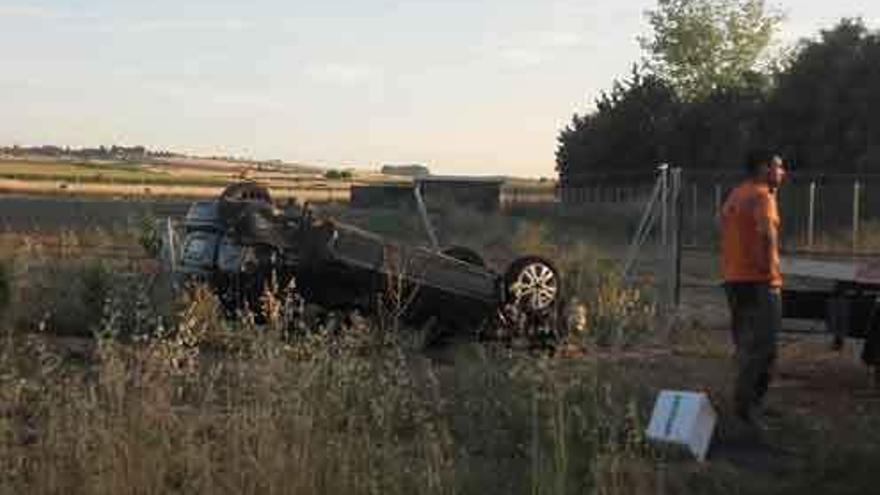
(533, 285)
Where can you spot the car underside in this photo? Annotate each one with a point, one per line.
(243, 246)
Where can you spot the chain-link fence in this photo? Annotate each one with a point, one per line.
(835, 213)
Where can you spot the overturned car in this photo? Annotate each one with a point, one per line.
(242, 245)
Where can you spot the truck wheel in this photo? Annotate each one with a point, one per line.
(533, 285)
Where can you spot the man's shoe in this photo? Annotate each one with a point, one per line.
(753, 421)
(771, 413)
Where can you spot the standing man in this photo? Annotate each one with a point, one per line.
(750, 267)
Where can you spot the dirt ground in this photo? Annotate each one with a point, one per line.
(823, 420)
(822, 436)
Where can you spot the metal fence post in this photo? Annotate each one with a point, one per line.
(857, 194)
(171, 245)
(668, 193)
(694, 210)
(664, 205)
(423, 212)
(811, 215)
(677, 208)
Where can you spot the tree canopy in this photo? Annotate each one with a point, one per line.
(825, 110)
(700, 46)
(822, 111)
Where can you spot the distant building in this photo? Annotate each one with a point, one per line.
(481, 193)
(411, 170)
(382, 196)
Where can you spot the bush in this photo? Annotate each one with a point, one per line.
(619, 315)
(149, 236)
(338, 174)
(65, 298)
(84, 297)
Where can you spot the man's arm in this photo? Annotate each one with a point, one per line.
(766, 252)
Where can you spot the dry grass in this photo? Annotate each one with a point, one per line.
(95, 178)
(170, 397)
(63, 188)
(207, 405)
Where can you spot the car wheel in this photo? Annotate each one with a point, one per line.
(465, 254)
(533, 285)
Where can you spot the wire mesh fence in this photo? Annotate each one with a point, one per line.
(832, 213)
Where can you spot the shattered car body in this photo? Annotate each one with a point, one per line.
(241, 244)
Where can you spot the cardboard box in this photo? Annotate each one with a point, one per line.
(684, 418)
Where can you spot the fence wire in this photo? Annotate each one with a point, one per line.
(828, 213)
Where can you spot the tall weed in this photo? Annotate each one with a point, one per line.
(213, 406)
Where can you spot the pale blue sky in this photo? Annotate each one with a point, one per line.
(467, 87)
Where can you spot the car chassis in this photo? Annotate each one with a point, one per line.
(241, 245)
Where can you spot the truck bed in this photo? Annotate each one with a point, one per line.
(865, 272)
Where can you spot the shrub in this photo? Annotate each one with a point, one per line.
(149, 236)
(619, 315)
(65, 298)
(334, 174)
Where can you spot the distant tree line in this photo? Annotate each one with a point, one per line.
(334, 174)
(820, 107)
(113, 152)
(412, 170)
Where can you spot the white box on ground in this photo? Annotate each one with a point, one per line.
(684, 418)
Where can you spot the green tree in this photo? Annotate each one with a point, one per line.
(825, 109)
(700, 46)
(630, 129)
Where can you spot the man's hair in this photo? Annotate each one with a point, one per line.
(757, 158)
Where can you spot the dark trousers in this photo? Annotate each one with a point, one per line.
(756, 320)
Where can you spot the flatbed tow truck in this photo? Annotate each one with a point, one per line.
(844, 293)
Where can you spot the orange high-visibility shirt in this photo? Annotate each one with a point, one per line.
(748, 216)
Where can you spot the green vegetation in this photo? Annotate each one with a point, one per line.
(704, 112)
(701, 46)
(334, 174)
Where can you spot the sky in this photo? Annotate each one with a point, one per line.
(478, 87)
